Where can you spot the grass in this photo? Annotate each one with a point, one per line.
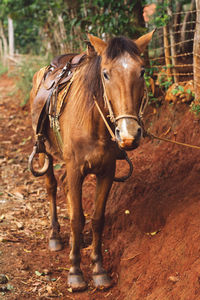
(24, 72)
(3, 69)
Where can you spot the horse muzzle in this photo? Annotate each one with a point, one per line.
(128, 133)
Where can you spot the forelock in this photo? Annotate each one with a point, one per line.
(119, 45)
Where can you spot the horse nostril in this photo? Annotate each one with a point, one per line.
(117, 133)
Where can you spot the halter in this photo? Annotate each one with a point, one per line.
(138, 118)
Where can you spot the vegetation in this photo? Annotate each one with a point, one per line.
(48, 28)
(27, 68)
(195, 108)
(51, 25)
(3, 69)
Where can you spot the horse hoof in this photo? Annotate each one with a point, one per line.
(55, 245)
(101, 281)
(76, 282)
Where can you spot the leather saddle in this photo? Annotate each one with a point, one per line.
(56, 75)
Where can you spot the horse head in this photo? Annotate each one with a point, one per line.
(122, 73)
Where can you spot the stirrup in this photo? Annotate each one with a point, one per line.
(39, 147)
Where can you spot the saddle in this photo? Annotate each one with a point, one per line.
(54, 78)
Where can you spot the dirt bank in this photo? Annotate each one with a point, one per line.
(151, 238)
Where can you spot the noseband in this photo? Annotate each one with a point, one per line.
(138, 118)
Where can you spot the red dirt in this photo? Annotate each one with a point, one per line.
(151, 238)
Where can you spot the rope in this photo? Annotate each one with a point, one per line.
(171, 141)
(104, 119)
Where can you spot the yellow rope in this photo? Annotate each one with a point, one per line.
(171, 141)
(104, 119)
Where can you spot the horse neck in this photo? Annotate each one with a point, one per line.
(84, 110)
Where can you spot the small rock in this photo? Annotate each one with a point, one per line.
(173, 279)
(3, 279)
(20, 225)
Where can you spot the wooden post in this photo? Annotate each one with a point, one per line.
(4, 43)
(173, 47)
(11, 37)
(167, 52)
(196, 64)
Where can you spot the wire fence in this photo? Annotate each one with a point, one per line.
(171, 50)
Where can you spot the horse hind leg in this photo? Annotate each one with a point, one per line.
(55, 243)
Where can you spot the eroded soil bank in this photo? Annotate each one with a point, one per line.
(151, 239)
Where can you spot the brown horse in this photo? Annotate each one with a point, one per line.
(112, 76)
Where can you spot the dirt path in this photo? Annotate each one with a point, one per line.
(151, 239)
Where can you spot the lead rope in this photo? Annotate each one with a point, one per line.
(144, 103)
(104, 119)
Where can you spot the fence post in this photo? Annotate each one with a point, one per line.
(172, 43)
(11, 37)
(196, 63)
(167, 52)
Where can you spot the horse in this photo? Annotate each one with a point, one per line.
(110, 80)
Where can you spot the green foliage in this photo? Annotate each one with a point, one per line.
(108, 17)
(179, 88)
(25, 71)
(195, 108)
(3, 69)
(161, 17)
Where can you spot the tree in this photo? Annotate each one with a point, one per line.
(61, 26)
(11, 37)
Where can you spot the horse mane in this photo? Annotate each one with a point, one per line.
(87, 82)
(86, 85)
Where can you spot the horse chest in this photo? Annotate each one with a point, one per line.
(94, 157)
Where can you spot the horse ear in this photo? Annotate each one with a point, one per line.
(98, 44)
(144, 40)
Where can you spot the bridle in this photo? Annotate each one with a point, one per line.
(138, 118)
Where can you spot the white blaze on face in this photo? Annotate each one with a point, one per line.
(125, 65)
(124, 129)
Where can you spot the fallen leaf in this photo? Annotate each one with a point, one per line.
(27, 251)
(70, 290)
(152, 233)
(9, 287)
(39, 273)
(2, 217)
(20, 225)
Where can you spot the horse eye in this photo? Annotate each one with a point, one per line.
(142, 72)
(105, 75)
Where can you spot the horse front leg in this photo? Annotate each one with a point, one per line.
(104, 183)
(77, 222)
(55, 243)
